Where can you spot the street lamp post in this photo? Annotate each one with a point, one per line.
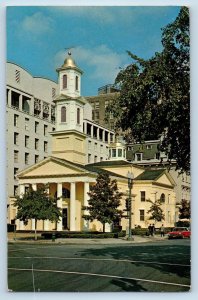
(130, 177)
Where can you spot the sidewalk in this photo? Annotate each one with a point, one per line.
(29, 238)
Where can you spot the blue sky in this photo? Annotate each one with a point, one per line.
(38, 35)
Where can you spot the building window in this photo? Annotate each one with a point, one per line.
(162, 197)
(26, 158)
(138, 156)
(113, 152)
(157, 155)
(45, 146)
(149, 147)
(64, 81)
(16, 138)
(97, 115)
(101, 149)
(97, 105)
(78, 115)
(15, 190)
(89, 145)
(112, 125)
(53, 128)
(143, 196)
(95, 158)
(17, 76)
(16, 156)
(89, 158)
(95, 146)
(101, 159)
(45, 130)
(15, 172)
(130, 148)
(26, 124)
(63, 114)
(93, 115)
(36, 158)
(36, 145)
(141, 214)
(15, 99)
(76, 83)
(119, 152)
(16, 118)
(36, 127)
(26, 141)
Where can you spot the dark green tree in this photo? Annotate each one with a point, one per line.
(184, 210)
(156, 211)
(155, 95)
(104, 200)
(37, 205)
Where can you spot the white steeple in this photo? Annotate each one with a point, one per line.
(69, 103)
(69, 78)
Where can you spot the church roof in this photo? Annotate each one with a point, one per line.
(93, 168)
(69, 63)
(150, 174)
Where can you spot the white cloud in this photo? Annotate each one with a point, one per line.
(103, 62)
(37, 24)
(96, 13)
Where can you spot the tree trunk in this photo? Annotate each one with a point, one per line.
(103, 225)
(35, 233)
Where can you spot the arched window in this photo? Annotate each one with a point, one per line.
(78, 115)
(162, 198)
(63, 114)
(76, 83)
(64, 81)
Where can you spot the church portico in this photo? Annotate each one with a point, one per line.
(71, 193)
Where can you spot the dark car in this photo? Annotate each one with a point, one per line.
(179, 233)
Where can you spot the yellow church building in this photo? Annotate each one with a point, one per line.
(81, 149)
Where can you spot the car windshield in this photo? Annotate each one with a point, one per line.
(180, 229)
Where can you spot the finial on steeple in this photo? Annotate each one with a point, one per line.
(69, 50)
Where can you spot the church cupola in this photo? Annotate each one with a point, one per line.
(69, 78)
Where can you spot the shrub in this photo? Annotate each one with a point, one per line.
(83, 235)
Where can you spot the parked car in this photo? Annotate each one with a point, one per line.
(179, 233)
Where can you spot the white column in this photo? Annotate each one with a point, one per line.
(34, 187)
(9, 98)
(85, 127)
(103, 135)
(59, 204)
(98, 136)
(21, 193)
(109, 139)
(73, 207)
(92, 131)
(46, 222)
(20, 102)
(86, 198)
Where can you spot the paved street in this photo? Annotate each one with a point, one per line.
(155, 266)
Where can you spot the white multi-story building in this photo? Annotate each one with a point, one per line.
(30, 118)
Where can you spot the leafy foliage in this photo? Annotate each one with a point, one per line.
(104, 201)
(184, 210)
(155, 95)
(156, 211)
(36, 205)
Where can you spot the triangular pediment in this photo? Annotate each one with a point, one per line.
(165, 179)
(52, 166)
